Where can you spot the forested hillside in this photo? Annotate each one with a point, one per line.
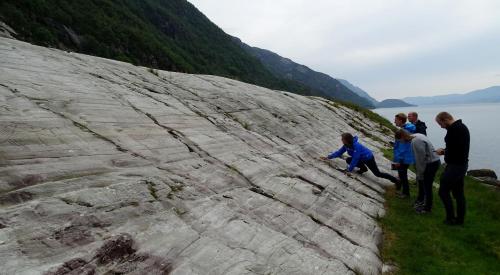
(171, 35)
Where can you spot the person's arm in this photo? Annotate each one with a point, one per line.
(337, 153)
(419, 153)
(463, 141)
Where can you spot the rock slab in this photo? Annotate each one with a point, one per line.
(106, 167)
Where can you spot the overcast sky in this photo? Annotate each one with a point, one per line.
(391, 49)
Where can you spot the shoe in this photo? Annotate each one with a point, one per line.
(403, 196)
(450, 222)
(454, 222)
(422, 211)
(418, 204)
(361, 171)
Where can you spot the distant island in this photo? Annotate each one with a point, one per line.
(488, 95)
(393, 103)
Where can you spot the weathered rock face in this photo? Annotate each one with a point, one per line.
(105, 166)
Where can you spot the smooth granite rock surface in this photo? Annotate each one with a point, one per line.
(110, 167)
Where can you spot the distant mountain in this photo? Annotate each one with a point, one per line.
(358, 91)
(491, 94)
(393, 103)
(319, 83)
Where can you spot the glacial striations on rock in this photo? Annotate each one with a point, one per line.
(110, 167)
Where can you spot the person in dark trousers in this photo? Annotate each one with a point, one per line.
(420, 127)
(427, 163)
(403, 156)
(360, 157)
(456, 156)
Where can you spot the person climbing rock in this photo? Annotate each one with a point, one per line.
(456, 156)
(360, 156)
(420, 127)
(427, 163)
(403, 156)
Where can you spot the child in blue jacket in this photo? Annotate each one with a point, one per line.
(403, 155)
(360, 157)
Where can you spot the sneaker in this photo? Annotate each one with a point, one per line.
(403, 196)
(422, 211)
(361, 171)
(450, 222)
(418, 204)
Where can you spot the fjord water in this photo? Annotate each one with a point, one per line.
(483, 121)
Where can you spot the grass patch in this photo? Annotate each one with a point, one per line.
(422, 244)
(370, 115)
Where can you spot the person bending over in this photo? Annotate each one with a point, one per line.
(427, 163)
(360, 157)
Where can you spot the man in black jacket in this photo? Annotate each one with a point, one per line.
(456, 156)
(420, 125)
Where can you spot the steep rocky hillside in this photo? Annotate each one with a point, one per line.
(110, 167)
(169, 35)
(320, 84)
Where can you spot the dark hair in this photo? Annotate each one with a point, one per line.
(402, 134)
(347, 137)
(402, 117)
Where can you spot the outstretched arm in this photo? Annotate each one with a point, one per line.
(337, 153)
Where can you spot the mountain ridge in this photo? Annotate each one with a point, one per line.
(286, 68)
(490, 94)
(171, 35)
(358, 91)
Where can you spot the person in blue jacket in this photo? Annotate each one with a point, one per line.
(403, 155)
(360, 157)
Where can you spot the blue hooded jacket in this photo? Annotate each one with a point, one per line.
(402, 150)
(358, 153)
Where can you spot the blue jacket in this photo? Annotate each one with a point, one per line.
(358, 153)
(402, 150)
(410, 127)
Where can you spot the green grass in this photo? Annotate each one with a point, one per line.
(422, 244)
(370, 115)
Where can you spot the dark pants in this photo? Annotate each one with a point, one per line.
(403, 179)
(452, 180)
(372, 165)
(425, 185)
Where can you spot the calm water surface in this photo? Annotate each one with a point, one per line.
(483, 121)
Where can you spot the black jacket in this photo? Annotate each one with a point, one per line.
(457, 141)
(421, 127)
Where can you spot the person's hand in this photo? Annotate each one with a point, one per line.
(440, 151)
(323, 158)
